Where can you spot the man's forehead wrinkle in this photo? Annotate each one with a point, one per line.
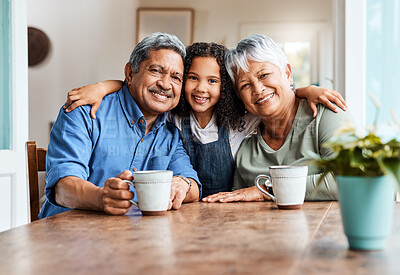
(164, 69)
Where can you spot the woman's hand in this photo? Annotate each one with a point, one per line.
(245, 194)
(315, 95)
(91, 94)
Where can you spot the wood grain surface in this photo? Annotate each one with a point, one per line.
(199, 238)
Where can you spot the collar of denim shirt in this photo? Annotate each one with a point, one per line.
(132, 111)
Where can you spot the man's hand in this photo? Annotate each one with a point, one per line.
(116, 194)
(179, 189)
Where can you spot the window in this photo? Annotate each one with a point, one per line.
(382, 58)
(298, 54)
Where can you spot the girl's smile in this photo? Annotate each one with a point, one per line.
(200, 100)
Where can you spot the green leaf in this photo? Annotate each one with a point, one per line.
(391, 166)
(364, 156)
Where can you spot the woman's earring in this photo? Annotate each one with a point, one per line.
(293, 87)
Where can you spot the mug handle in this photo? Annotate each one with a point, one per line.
(267, 183)
(132, 183)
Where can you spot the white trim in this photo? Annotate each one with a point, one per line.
(339, 66)
(6, 201)
(350, 55)
(19, 86)
(13, 162)
(355, 45)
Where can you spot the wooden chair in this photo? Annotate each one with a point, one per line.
(36, 163)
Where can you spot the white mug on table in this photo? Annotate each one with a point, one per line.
(288, 184)
(153, 189)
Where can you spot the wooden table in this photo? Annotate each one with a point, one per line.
(234, 238)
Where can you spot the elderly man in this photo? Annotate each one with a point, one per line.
(87, 157)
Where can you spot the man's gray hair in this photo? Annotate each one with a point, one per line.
(256, 47)
(155, 41)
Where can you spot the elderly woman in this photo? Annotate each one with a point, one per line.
(288, 131)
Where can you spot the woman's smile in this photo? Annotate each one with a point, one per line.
(265, 99)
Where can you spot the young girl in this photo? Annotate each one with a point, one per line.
(211, 118)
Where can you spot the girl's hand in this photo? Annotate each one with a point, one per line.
(245, 194)
(92, 95)
(87, 95)
(315, 95)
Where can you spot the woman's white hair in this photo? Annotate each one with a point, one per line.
(256, 47)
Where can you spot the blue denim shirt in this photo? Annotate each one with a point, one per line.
(97, 149)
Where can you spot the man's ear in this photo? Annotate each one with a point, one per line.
(129, 73)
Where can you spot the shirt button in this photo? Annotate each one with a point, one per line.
(135, 169)
(141, 121)
(142, 139)
(132, 122)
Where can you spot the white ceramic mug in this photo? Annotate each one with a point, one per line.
(153, 189)
(288, 184)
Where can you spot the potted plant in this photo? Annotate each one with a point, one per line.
(367, 169)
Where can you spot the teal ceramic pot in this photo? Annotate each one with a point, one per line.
(367, 210)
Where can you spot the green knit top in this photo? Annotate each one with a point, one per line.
(306, 135)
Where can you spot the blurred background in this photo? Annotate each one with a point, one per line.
(92, 40)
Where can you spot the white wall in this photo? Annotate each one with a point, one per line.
(92, 40)
(219, 20)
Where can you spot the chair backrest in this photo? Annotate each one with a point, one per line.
(36, 163)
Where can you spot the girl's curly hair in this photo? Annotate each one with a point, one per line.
(230, 109)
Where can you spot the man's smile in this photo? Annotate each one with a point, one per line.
(162, 94)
